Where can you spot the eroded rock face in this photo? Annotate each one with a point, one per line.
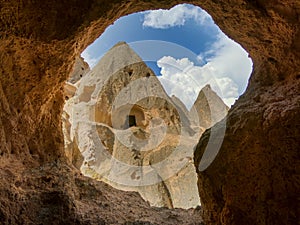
(143, 141)
(37, 195)
(253, 182)
(209, 108)
(80, 69)
(267, 153)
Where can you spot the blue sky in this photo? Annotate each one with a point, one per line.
(184, 47)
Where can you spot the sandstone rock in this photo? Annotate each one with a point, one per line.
(71, 146)
(138, 128)
(69, 90)
(254, 182)
(80, 69)
(209, 108)
(39, 196)
(189, 120)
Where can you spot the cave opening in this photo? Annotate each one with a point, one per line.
(131, 121)
(200, 82)
(252, 180)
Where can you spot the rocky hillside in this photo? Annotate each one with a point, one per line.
(122, 128)
(208, 107)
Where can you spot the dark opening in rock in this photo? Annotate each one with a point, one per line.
(131, 121)
(173, 95)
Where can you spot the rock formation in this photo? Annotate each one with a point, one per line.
(254, 178)
(131, 134)
(208, 107)
(80, 69)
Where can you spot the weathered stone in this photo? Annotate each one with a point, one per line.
(139, 127)
(253, 180)
(208, 107)
(80, 69)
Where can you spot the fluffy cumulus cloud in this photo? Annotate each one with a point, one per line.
(180, 77)
(227, 69)
(176, 16)
(92, 61)
(229, 59)
(225, 66)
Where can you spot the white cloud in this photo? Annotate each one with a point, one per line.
(227, 70)
(226, 66)
(229, 59)
(89, 59)
(176, 16)
(180, 77)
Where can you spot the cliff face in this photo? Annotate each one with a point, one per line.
(80, 69)
(208, 108)
(253, 182)
(142, 142)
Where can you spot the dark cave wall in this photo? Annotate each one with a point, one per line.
(252, 180)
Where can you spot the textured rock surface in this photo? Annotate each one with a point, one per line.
(209, 108)
(38, 196)
(255, 181)
(80, 69)
(263, 139)
(137, 156)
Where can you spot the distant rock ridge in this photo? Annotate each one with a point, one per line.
(210, 107)
(80, 69)
(131, 134)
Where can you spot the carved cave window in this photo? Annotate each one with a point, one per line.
(131, 121)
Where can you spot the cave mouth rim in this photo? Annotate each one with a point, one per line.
(208, 23)
(142, 97)
(236, 42)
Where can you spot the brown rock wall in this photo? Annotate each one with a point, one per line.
(254, 177)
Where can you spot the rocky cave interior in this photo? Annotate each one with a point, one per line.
(254, 178)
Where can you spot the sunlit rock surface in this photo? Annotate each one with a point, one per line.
(131, 134)
(80, 69)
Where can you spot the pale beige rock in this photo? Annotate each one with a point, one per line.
(132, 135)
(80, 69)
(69, 90)
(134, 155)
(208, 108)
